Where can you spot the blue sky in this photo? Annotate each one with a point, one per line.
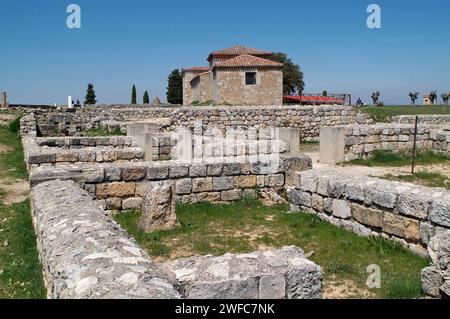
(122, 43)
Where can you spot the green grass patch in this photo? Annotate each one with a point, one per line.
(247, 226)
(21, 271)
(429, 179)
(12, 162)
(101, 131)
(385, 113)
(388, 158)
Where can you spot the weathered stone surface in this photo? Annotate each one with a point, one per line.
(432, 280)
(183, 186)
(85, 254)
(134, 173)
(197, 170)
(300, 198)
(132, 203)
(215, 170)
(115, 189)
(283, 273)
(270, 197)
(223, 183)
(341, 209)
(401, 226)
(178, 171)
(367, 216)
(158, 209)
(317, 202)
(113, 174)
(414, 204)
(201, 185)
(231, 195)
(209, 197)
(440, 211)
(245, 181)
(157, 172)
(113, 203)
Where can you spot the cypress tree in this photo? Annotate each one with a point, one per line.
(175, 88)
(90, 95)
(146, 98)
(133, 95)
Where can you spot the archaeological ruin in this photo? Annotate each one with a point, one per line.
(221, 154)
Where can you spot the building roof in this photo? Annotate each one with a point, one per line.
(197, 69)
(245, 60)
(238, 50)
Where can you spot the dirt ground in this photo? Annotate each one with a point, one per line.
(13, 190)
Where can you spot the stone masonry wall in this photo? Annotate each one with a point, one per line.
(122, 186)
(86, 255)
(408, 214)
(308, 118)
(229, 87)
(361, 141)
(423, 119)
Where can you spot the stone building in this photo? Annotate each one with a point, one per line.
(236, 76)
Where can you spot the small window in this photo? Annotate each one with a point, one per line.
(250, 78)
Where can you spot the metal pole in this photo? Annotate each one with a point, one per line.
(414, 146)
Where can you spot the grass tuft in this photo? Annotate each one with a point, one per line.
(405, 287)
(385, 113)
(388, 158)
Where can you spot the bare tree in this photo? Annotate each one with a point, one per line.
(445, 98)
(433, 97)
(413, 96)
(375, 97)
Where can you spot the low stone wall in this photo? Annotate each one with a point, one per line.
(408, 214)
(276, 274)
(423, 119)
(346, 143)
(308, 118)
(56, 151)
(85, 254)
(122, 186)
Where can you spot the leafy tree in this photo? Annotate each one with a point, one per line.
(433, 96)
(375, 97)
(175, 88)
(413, 96)
(292, 74)
(146, 98)
(133, 95)
(325, 93)
(445, 98)
(90, 95)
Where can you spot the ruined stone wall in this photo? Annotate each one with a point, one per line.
(76, 150)
(230, 88)
(121, 186)
(201, 89)
(308, 118)
(361, 141)
(423, 119)
(408, 214)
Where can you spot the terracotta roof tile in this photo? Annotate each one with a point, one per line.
(245, 60)
(238, 50)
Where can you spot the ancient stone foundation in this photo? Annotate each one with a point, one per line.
(405, 213)
(85, 254)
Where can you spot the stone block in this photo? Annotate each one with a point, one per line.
(179, 171)
(432, 279)
(401, 226)
(272, 287)
(414, 204)
(232, 169)
(158, 209)
(157, 172)
(341, 209)
(201, 185)
(197, 170)
(367, 216)
(113, 203)
(439, 211)
(332, 145)
(67, 157)
(245, 181)
(276, 180)
(115, 189)
(317, 203)
(232, 195)
(209, 197)
(300, 198)
(183, 186)
(223, 183)
(134, 173)
(113, 174)
(215, 170)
